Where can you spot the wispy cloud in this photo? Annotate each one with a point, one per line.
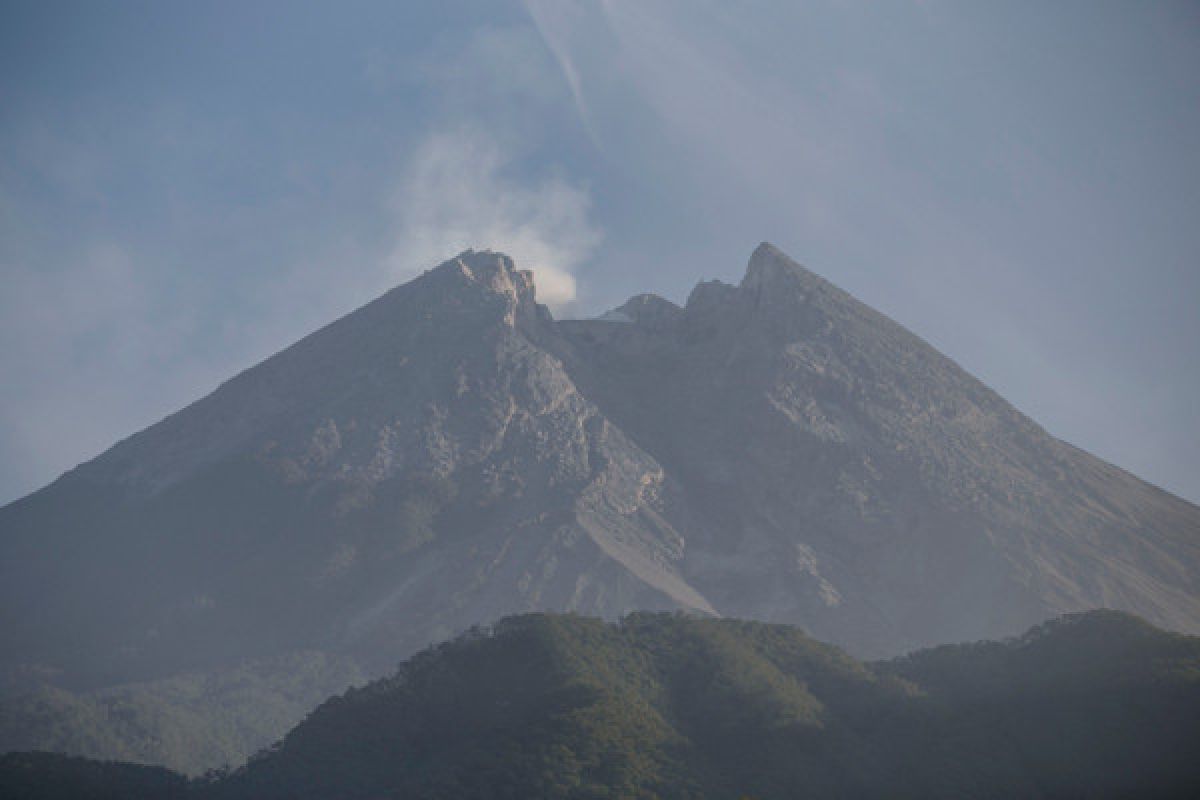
(473, 180)
(555, 23)
(460, 192)
(150, 254)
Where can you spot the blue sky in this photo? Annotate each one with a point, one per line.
(186, 188)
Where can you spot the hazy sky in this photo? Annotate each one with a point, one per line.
(186, 188)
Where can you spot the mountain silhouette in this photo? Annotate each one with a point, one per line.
(450, 454)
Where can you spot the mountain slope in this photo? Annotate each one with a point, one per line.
(190, 723)
(416, 467)
(449, 454)
(667, 706)
(844, 475)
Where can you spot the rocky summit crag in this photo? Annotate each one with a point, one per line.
(450, 454)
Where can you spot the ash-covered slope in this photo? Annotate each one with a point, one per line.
(418, 466)
(841, 474)
(449, 454)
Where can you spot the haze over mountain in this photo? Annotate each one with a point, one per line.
(450, 454)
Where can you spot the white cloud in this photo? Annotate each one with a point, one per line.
(459, 193)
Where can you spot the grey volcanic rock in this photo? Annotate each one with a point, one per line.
(841, 474)
(450, 454)
(648, 311)
(419, 466)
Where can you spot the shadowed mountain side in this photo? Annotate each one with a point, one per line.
(190, 723)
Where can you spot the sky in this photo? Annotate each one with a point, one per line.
(186, 188)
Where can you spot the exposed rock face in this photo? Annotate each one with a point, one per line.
(419, 466)
(449, 454)
(843, 475)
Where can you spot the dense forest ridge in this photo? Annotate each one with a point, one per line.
(1099, 704)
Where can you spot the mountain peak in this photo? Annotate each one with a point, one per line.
(490, 269)
(490, 273)
(647, 310)
(771, 267)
